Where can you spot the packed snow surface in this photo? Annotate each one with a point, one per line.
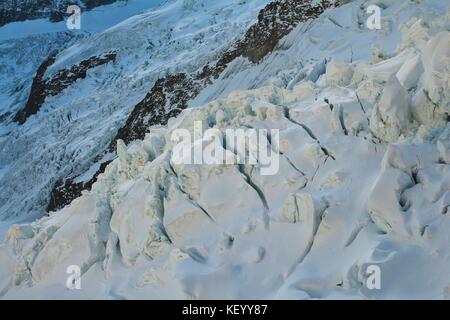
(363, 180)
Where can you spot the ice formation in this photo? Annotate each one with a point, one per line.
(74, 127)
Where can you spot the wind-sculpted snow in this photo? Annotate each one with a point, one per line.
(363, 181)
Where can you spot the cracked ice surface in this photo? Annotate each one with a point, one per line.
(364, 179)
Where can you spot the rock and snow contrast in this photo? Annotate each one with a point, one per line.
(363, 177)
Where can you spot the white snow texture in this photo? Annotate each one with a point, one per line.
(364, 174)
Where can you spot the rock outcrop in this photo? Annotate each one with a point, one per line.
(46, 87)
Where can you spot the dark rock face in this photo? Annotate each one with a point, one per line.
(67, 190)
(42, 88)
(37, 96)
(13, 10)
(170, 95)
(276, 21)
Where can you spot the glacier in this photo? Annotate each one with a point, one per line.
(79, 123)
(364, 176)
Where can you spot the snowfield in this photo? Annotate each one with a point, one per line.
(363, 180)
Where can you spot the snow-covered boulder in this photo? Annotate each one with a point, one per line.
(392, 114)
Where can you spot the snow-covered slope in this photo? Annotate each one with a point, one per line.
(68, 130)
(95, 20)
(54, 10)
(363, 180)
(340, 33)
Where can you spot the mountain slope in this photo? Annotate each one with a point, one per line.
(78, 120)
(55, 10)
(363, 180)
